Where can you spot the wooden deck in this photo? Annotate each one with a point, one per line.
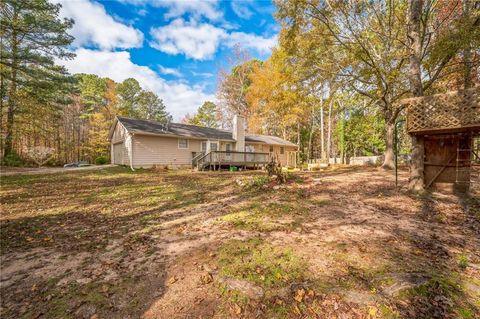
(219, 159)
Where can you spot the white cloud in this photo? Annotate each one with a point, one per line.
(179, 8)
(203, 74)
(251, 41)
(169, 71)
(94, 26)
(179, 98)
(196, 40)
(200, 41)
(241, 9)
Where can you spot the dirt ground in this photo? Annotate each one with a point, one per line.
(340, 243)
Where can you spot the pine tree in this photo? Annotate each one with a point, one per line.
(151, 107)
(32, 37)
(206, 115)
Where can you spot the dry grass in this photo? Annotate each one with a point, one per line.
(120, 244)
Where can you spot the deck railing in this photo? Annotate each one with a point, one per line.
(448, 111)
(232, 158)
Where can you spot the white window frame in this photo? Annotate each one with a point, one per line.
(228, 149)
(183, 148)
(214, 142)
(282, 150)
(201, 146)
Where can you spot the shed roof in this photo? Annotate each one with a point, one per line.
(149, 127)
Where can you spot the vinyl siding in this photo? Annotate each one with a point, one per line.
(122, 138)
(265, 148)
(119, 133)
(159, 150)
(149, 151)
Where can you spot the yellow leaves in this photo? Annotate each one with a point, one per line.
(372, 312)
(273, 95)
(172, 280)
(299, 295)
(237, 309)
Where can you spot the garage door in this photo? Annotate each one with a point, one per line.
(118, 154)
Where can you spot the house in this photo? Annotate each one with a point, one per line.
(145, 143)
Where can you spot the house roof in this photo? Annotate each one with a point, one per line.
(186, 130)
(267, 139)
(176, 129)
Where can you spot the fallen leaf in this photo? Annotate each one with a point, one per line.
(172, 280)
(237, 309)
(299, 295)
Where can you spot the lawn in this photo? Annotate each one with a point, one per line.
(341, 243)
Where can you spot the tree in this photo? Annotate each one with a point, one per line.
(92, 90)
(151, 107)
(372, 48)
(128, 93)
(459, 37)
(206, 115)
(273, 97)
(233, 86)
(416, 88)
(32, 37)
(40, 154)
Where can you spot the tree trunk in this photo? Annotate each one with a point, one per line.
(467, 52)
(322, 133)
(342, 139)
(12, 92)
(329, 130)
(309, 147)
(416, 180)
(388, 162)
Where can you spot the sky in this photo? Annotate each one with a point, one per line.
(172, 47)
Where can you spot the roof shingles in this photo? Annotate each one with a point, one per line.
(193, 131)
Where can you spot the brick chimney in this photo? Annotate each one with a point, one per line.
(238, 132)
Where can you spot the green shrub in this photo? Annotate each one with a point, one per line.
(462, 261)
(13, 159)
(101, 160)
(259, 181)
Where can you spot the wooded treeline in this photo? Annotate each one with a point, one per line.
(333, 83)
(44, 110)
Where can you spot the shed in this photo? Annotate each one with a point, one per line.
(447, 128)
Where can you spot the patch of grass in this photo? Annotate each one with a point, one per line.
(387, 312)
(260, 263)
(259, 181)
(462, 261)
(436, 285)
(466, 313)
(269, 217)
(319, 200)
(440, 287)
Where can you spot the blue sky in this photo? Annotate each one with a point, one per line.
(172, 47)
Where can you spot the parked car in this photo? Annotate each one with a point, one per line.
(77, 164)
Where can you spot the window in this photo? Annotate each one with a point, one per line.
(228, 148)
(282, 150)
(213, 146)
(271, 149)
(204, 147)
(182, 143)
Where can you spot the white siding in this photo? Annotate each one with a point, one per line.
(159, 150)
(265, 148)
(121, 139)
